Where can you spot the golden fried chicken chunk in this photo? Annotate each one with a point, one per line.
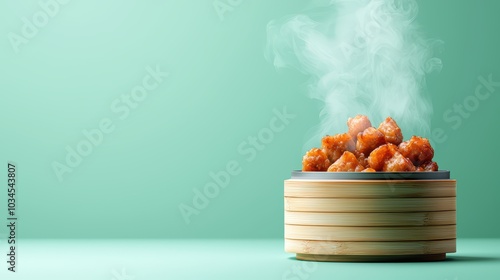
(358, 124)
(380, 155)
(417, 149)
(369, 140)
(367, 149)
(428, 166)
(398, 162)
(362, 159)
(315, 160)
(347, 162)
(335, 146)
(369, 169)
(392, 132)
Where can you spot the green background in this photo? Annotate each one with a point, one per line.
(220, 91)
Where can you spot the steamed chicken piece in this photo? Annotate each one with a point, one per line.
(417, 149)
(369, 140)
(380, 155)
(398, 163)
(358, 124)
(335, 146)
(392, 132)
(315, 160)
(346, 163)
(428, 166)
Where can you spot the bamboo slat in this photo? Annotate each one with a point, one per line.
(370, 247)
(331, 233)
(370, 188)
(353, 205)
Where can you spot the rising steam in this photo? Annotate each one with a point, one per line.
(364, 57)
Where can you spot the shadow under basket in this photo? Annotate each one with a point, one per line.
(370, 216)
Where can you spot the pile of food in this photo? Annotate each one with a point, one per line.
(367, 149)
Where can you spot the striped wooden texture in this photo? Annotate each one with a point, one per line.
(371, 219)
(328, 219)
(370, 247)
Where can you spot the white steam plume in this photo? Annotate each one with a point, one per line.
(364, 57)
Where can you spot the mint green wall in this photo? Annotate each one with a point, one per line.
(71, 75)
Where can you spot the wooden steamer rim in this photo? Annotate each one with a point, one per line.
(369, 188)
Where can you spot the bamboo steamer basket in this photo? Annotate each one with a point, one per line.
(370, 216)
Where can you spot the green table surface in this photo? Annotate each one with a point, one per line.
(228, 259)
